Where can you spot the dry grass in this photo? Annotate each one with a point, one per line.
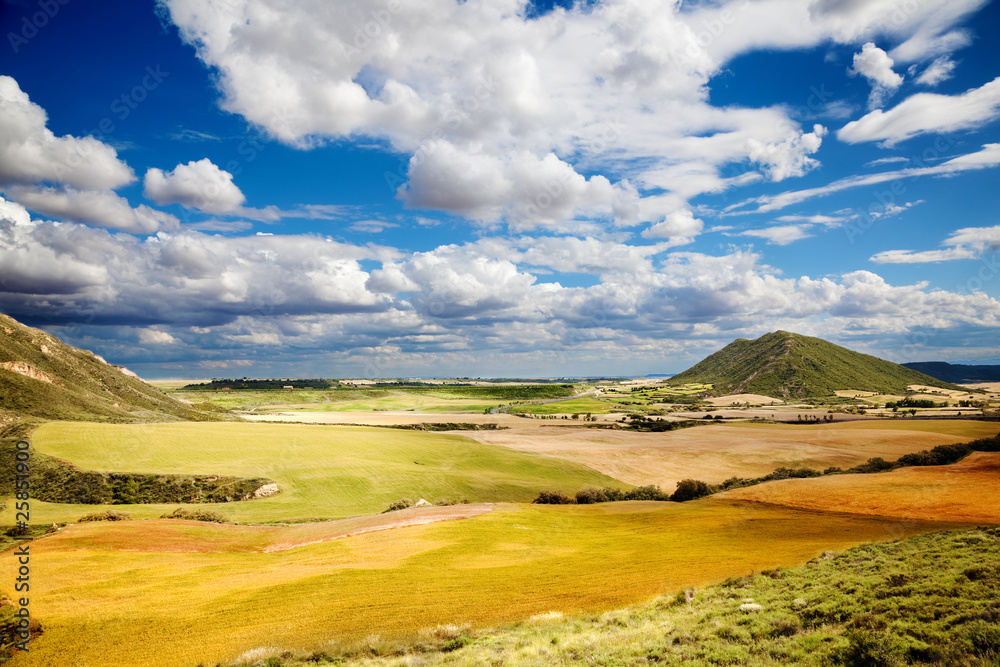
(965, 491)
(198, 593)
(714, 453)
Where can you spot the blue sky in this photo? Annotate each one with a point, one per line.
(379, 188)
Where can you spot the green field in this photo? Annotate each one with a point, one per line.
(576, 405)
(175, 593)
(323, 471)
(432, 399)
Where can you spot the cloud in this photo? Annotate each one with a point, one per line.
(966, 243)
(679, 226)
(610, 100)
(151, 336)
(65, 177)
(31, 153)
(176, 277)
(790, 157)
(926, 112)
(988, 156)
(371, 226)
(527, 190)
(875, 65)
(186, 298)
(102, 208)
(200, 185)
(780, 234)
(940, 70)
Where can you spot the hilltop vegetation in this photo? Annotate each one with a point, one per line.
(43, 378)
(788, 365)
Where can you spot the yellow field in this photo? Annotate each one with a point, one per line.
(964, 491)
(173, 593)
(715, 453)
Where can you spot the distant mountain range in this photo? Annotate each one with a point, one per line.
(788, 365)
(43, 378)
(960, 373)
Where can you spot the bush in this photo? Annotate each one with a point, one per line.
(876, 464)
(649, 492)
(985, 638)
(590, 496)
(456, 643)
(689, 489)
(110, 515)
(553, 498)
(870, 648)
(400, 504)
(195, 515)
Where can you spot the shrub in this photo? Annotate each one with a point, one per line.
(195, 515)
(590, 496)
(648, 492)
(985, 638)
(400, 504)
(110, 515)
(870, 648)
(553, 498)
(456, 643)
(876, 464)
(689, 489)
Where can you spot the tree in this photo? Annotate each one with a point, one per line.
(689, 489)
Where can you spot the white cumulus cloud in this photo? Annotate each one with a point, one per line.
(201, 185)
(875, 65)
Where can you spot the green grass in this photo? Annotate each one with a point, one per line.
(580, 405)
(323, 471)
(172, 593)
(434, 400)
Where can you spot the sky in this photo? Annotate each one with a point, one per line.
(498, 188)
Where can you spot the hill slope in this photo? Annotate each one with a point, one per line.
(788, 365)
(43, 378)
(946, 372)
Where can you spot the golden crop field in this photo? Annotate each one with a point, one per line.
(716, 452)
(963, 491)
(175, 593)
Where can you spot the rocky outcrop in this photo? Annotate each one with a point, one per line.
(263, 492)
(27, 370)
